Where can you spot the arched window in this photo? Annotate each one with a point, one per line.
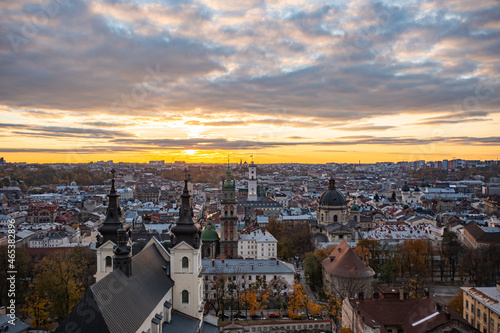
(109, 262)
(321, 217)
(355, 218)
(185, 297)
(185, 262)
(335, 218)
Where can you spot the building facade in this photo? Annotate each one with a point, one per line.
(482, 308)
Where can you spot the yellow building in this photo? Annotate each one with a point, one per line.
(482, 308)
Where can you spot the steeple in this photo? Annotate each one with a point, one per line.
(228, 183)
(185, 230)
(111, 225)
(331, 184)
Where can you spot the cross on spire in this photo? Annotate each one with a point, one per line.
(113, 171)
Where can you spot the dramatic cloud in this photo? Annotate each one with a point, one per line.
(270, 72)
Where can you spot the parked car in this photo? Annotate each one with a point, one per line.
(274, 315)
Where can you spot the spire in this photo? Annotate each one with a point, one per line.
(228, 183)
(185, 230)
(331, 185)
(112, 222)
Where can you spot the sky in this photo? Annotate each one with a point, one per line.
(285, 81)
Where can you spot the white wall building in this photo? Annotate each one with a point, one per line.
(257, 245)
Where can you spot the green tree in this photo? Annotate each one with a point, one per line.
(313, 268)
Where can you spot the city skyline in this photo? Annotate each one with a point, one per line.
(286, 81)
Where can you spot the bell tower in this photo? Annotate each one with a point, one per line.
(185, 263)
(252, 182)
(229, 218)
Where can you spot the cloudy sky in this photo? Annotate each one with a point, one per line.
(286, 81)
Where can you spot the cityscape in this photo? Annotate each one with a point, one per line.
(249, 166)
(161, 247)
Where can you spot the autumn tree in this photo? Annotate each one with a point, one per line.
(457, 302)
(414, 258)
(61, 279)
(298, 301)
(332, 306)
(369, 250)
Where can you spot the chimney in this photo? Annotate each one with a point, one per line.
(167, 311)
(160, 318)
(213, 262)
(252, 266)
(277, 262)
(222, 260)
(401, 294)
(155, 325)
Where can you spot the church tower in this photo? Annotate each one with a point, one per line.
(252, 182)
(185, 263)
(229, 218)
(108, 237)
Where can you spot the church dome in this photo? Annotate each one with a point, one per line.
(354, 208)
(209, 234)
(332, 196)
(405, 188)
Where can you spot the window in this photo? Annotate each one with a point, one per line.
(478, 314)
(185, 297)
(484, 318)
(335, 218)
(185, 262)
(467, 304)
(109, 262)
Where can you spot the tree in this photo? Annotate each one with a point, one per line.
(457, 303)
(278, 286)
(332, 306)
(298, 301)
(369, 250)
(452, 250)
(36, 305)
(313, 268)
(414, 258)
(416, 289)
(59, 280)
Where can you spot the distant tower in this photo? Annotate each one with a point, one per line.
(185, 262)
(252, 182)
(108, 237)
(229, 218)
(332, 206)
(190, 183)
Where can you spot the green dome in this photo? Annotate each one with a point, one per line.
(209, 234)
(354, 207)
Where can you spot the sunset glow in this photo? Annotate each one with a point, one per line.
(287, 81)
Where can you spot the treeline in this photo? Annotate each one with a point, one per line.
(46, 175)
(434, 174)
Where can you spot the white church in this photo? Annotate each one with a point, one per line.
(156, 291)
